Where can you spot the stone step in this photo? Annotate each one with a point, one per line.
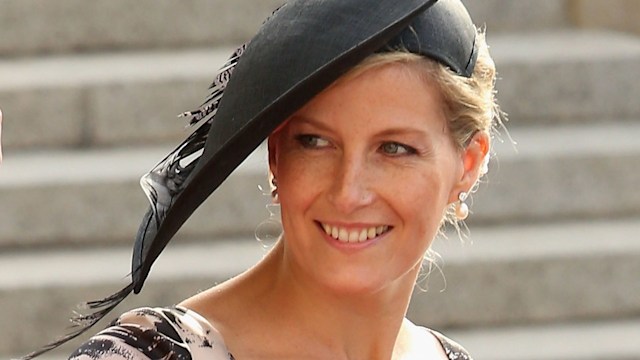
(562, 172)
(593, 340)
(82, 197)
(526, 274)
(104, 99)
(520, 16)
(132, 98)
(502, 276)
(568, 76)
(65, 26)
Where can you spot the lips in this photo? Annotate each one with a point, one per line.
(354, 234)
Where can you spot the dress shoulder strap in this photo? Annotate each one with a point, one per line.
(453, 350)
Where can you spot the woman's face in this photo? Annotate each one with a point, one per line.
(364, 172)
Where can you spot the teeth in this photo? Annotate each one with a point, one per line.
(344, 235)
(363, 235)
(354, 236)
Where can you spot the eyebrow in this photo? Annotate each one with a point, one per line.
(387, 132)
(404, 131)
(310, 121)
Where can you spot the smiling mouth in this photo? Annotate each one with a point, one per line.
(354, 235)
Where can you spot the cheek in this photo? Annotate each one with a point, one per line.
(422, 218)
(422, 197)
(298, 179)
(426, 201)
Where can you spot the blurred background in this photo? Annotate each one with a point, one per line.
(90, 91)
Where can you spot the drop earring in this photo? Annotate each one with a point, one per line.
(274, 188)
(462, 210)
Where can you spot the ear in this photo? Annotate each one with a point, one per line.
(472, 157)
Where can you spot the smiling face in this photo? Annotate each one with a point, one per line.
(365, 171)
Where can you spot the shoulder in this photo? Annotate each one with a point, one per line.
(452, 349)
(155, 333)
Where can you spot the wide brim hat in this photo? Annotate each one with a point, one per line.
(299, 51)
(303, 48)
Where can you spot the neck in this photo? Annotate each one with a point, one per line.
(355, 324)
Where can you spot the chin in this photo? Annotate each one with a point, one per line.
(366, 282)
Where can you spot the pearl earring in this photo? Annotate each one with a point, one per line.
(462, 210)
(274, 188)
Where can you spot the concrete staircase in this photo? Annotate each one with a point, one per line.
(89, 92)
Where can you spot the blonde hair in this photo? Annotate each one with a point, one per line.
(470, 103)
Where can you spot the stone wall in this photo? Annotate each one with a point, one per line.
(621, 15)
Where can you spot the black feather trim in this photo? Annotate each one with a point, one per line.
(161, 185)
(210, 104)
(83, 322)
(168, 178)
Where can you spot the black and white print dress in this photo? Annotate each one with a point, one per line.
(176, 333)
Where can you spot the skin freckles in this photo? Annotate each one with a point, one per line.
(368, 152)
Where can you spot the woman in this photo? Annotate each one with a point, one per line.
(377, 115)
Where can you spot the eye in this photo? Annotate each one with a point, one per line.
(312, 141)
(395, 149)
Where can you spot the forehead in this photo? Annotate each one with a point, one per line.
(392, 91)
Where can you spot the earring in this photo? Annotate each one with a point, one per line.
(462, 210)
(274, 188)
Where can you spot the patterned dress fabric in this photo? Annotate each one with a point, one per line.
(176, 333)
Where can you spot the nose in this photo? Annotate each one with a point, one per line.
(351, 185)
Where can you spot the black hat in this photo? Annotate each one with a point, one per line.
(303, 48)
(300, 50)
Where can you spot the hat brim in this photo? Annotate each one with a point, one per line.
(302, 49)
(269, 84)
